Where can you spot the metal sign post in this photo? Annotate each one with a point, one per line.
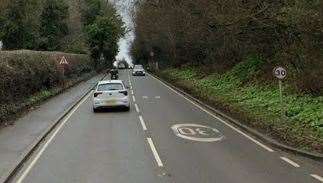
(280, 73)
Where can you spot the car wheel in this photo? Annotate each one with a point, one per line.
(95, 110)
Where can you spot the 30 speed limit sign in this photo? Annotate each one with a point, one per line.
(280, 72)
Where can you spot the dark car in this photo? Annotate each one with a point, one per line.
(114, 74)
(138, 70)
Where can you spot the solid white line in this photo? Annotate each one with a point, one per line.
(143, 124)
(216, 117)
(317, 177)
(43, 148)
(290, 162)
(133, 98)
(155, 153)
(137, 108)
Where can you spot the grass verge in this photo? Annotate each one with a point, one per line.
(298, 123)
(12, 111)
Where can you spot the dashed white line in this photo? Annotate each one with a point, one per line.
(43, 148)
(137, 108)
(287, 160)
(143, 124)
(145, 97)
(132, 92)
(133, 98)
(216, 117)
(155, 153)
(317, 177)
(157, 97)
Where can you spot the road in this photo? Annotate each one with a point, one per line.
(140, 146)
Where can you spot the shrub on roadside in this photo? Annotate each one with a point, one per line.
(24, 73)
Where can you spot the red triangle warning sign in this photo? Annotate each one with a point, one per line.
(63, 61)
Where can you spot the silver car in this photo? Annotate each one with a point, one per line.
(112, 93)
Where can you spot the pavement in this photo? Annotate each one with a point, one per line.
(17, 140)
(164, 137)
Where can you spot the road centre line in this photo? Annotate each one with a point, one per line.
(216, 117)
(287, 160)
(155, 153)
(43, 148)
(143, 124)
(137, 108)
(317, 177)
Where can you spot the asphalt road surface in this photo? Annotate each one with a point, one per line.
(163, 138)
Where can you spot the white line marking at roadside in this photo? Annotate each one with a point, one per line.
(133, 98)
(216, 117)
(43, 148)
(319, 178)
(143, 124)
(290, 162)
(155, 153)
(137, 108)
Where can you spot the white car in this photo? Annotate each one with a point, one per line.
(112, 93)
(138, 70)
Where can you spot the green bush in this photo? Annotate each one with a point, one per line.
(24, 73)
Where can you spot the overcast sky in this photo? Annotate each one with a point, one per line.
(124, 8)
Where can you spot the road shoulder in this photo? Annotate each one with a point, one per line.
(17, 140)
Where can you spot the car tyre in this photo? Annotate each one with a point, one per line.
(95, 110)
(127, 108)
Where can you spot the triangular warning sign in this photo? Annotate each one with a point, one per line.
(63, 61)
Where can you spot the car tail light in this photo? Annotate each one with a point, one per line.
(124, 92)
(97, 94)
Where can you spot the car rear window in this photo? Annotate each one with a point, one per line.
(110, 87)
(138, 67)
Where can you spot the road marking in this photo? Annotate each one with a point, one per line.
(290, 162)
(157, 97)
(216, 117)
(132, 92)
(155, 153)
(197, 132)
(43, 148)
(137, 108)
(145, 97)
(143, 124)
(133, 98)
(317, 177)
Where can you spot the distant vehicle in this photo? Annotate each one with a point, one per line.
(138, 70)
(114, 74)
(122, 66)
(111, 93)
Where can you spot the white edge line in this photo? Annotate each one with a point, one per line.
(155, 153)
(216, 117)
(317, 177)
(137, 108)
(143, 124)
(43, 148)
(287, 160)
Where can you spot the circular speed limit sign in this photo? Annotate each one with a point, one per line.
(280, 72)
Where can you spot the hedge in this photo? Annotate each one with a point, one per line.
(24, 73)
